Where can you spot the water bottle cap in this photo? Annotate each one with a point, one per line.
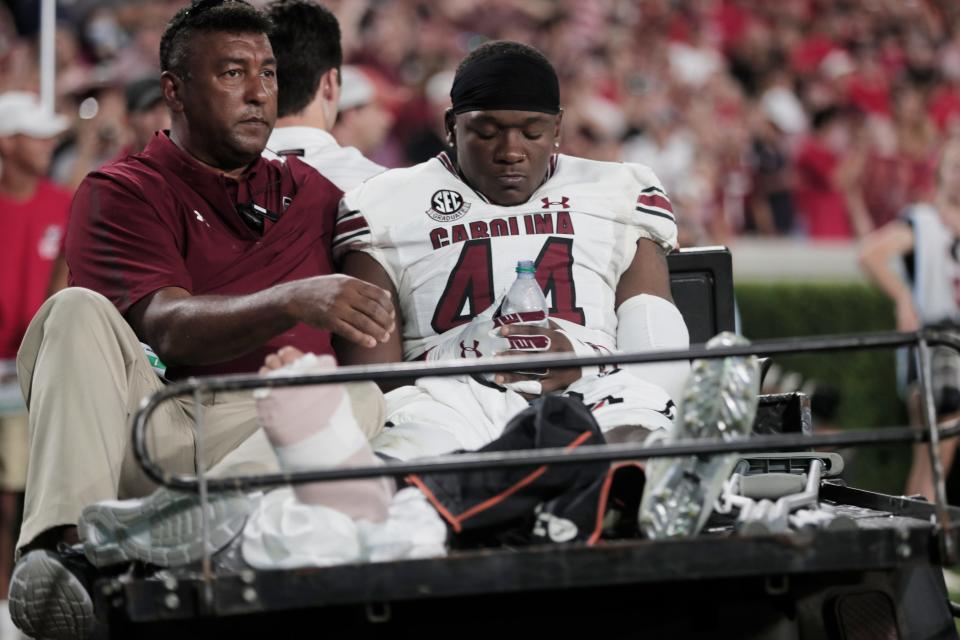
(525, 266)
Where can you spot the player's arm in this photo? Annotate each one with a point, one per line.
(363, 267)
(647, 318)
(893, 240)
(647, 274)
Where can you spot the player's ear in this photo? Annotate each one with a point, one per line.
(172, 87)
(330, 84)
(449, 124)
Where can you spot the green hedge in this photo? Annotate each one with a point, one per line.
(865, 380)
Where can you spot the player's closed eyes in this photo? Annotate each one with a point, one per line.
(486, 134)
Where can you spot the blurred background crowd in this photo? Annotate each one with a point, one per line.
(811, 122)
(802, 118)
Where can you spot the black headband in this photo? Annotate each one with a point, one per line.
(506, 81)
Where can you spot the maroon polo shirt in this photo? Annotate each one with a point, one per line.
(161, 219)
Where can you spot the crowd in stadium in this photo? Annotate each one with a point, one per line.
(252, 197)
(798, 118)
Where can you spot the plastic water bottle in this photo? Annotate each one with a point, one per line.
(525, 294)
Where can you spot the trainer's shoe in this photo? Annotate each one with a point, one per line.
(50, 594)
(719, 401)
(163, 529)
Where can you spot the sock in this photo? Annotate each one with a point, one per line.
(313, 427)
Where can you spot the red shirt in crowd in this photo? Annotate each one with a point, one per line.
(161, 219)
(944, 106)
(818, 200)
(870, 94)
(32, 233)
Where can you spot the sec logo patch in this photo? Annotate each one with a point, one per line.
(447, 206)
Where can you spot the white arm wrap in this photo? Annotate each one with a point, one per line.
(646, 323)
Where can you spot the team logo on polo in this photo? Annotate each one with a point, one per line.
(447, 206)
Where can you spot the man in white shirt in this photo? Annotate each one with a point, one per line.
(306, 44)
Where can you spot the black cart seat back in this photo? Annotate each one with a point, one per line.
(701, 280)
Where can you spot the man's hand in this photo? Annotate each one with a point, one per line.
(351, 308)
(555, 379)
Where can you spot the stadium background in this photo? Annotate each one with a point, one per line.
(786, 130)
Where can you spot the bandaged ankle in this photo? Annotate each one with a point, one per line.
(313, 427)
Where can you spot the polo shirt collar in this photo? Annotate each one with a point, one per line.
(219, 191)
(287, 138)
(198, 175)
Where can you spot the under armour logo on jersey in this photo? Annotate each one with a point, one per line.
(564, 202)
(475, 349)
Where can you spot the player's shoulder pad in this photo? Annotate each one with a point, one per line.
(381, 196)
(627, 177)
(642, 175)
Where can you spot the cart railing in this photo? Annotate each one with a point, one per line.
(921, 340)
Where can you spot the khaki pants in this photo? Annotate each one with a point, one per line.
(13, 451)
(83, 374)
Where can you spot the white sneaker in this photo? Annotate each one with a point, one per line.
(719, 401)
(164, 528)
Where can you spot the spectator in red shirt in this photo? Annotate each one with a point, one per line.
(207, 252)
(822, 192)
(33, 212)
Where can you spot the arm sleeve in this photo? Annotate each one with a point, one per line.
(119, 245)
(644, 323)
(647, 323)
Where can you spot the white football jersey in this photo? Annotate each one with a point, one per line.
(451, 254)
(936, 273)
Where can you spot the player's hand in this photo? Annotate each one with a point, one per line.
(555, 379)
(349, 307)
(279, 359)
